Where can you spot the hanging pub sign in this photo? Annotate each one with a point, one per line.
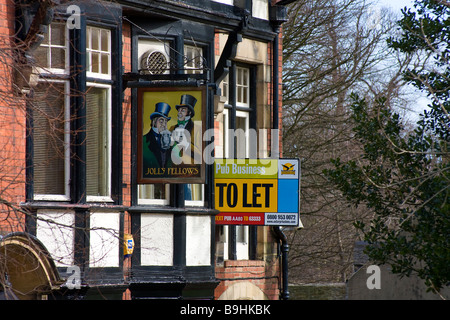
(171, 123)
(257, 191)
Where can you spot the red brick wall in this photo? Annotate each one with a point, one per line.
(126, 108)
(126, 153)
(12, 129)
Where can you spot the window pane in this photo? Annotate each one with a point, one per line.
(153, 191)
(94, 38)
(97, 144)
(225, 137)
(242, 85)
(241, 233)
(58, 34)
(94, 62)
(193, 192)
(105, 63)
(225, 88)
(244, 95)
(239, 76)
(58, 58)
(48, 139)
(104, 40)
(193, 59)
(98, 51)
(245, 77)
(41, 55)
(239, 94)
(51, 53)
(241, 139)
(46, 37)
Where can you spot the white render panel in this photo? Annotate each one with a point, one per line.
(156, 239)
(104, 239)
(55, 229)
(260, 9)
(198, 240)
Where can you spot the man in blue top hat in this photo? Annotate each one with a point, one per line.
(156, 147)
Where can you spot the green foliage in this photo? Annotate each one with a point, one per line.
(404, 180)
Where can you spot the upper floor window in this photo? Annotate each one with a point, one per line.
(98, 115)
(236, 143)
(98, 142)
(52, 55)
(193, 60)
(51, 116)
(98, 51)
(242, 87)
(242, 84)
(51, 136)
(193, 193)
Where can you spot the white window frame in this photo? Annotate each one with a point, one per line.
(48, 69)
(191, 68)
(224, 86)
(226, 139)
(66, 195)
(228, 2)
(158, 202)
(244, 85)
(197, 203)
(106, 198)
(260, 9)
(242, 247)
(89, 51)
(62, 71)
(246, 116)
(191, 58)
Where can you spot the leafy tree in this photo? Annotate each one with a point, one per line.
(330, 48)
(404, 178)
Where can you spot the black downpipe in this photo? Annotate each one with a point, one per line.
(284, 263)
(276, 229)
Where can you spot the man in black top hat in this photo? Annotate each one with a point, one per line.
(186, 112)
(183, 131)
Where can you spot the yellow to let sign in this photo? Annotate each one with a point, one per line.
(246, 195)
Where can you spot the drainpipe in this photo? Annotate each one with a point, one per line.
(284, 295)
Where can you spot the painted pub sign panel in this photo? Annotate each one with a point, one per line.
(171, 123)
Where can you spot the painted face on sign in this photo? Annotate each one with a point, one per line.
(160, 124)
(183, 112)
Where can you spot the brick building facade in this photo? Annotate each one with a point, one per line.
(70, 77)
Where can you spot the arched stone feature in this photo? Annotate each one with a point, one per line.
(27, 271)
(243, 291)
